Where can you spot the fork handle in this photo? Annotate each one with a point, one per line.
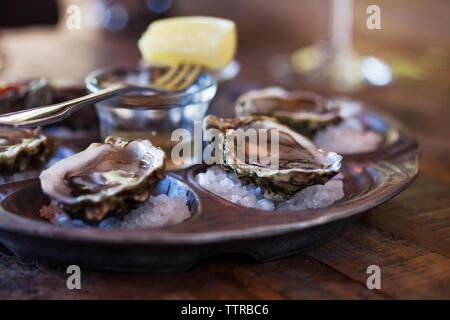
(56, 112)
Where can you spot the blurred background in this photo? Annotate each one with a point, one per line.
(280, 42)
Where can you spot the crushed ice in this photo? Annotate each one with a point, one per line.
(157, 211)
(349, 136)
(227, 186)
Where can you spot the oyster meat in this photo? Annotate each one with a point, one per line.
(22, 149)
(304, 112)
(109, 178)
(300, 163)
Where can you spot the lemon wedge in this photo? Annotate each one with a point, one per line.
(206, 41)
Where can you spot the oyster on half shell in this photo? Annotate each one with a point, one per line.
(109, 178)
(300, 162)
(22, 149)
(304, 112)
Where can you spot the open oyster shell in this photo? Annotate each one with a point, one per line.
(25, 94)
(300, 162)
(109, 178)
(304, 112)
(22, 149)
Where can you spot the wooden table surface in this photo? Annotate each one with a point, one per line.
(408, 237)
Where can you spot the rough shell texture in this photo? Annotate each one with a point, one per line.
(109, 178)
(302, 111)
(22, 149)
(300, 162)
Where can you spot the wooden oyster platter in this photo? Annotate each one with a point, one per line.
(217, 226)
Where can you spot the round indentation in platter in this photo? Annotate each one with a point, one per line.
(393, 139)
(353, 182)
(28, 199)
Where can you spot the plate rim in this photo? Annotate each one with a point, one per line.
(324, 215)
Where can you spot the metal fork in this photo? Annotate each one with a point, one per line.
(174, 80)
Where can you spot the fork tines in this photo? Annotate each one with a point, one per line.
(179, 77)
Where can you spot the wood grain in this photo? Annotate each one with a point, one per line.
(408, 216)
(408, 270)
(231, 277)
